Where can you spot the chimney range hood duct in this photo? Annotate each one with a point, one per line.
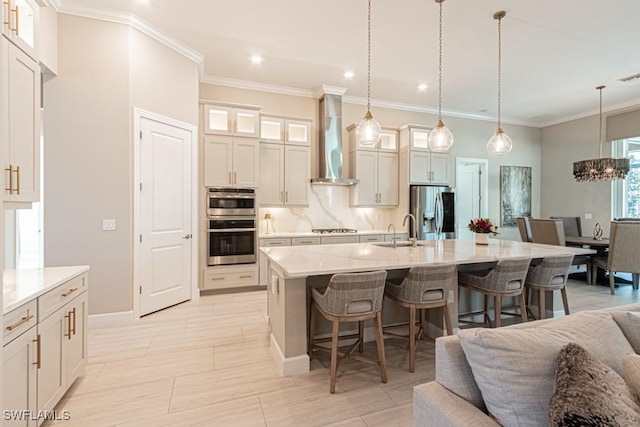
(330, 142)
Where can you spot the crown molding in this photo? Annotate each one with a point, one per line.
(331, 90)
(134, 22)
(261, 87)
(611, 110)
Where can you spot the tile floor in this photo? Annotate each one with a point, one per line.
(208, 363)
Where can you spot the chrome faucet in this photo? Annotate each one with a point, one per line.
(414, 239)
(393, 240)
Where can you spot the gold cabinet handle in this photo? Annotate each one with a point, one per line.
(282, 196)
(10, 187)
(235, 177)
(73, 312)
(69, 292)
(16, 29)
(217, 278)
(7, 22)
(68, 318)
(38, 352)
(286, 196)
(246, 277)
(20, 322)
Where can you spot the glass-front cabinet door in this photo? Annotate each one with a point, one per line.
(19, 23)
(298, 132)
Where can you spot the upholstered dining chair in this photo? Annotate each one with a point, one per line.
(572, 225)
(623, 255)
(351, 297)
(550, 275)
(424, 287)
(524, 228)
(505, 279)
(551, 232)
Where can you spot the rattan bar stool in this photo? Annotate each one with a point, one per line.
(550, 275)
(506, 279)
(424, 287)
(352, 297)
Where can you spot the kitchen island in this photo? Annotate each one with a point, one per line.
(292, 270)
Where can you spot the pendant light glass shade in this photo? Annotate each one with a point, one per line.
(602, 168)
(369, 130)
(440, 138)
(500, 143)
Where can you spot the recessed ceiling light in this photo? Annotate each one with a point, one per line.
(348, 74)
(256, 59)
(422, 87)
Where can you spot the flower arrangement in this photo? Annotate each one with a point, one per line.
(482, 225)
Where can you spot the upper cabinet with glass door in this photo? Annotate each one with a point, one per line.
(226, 120)
(285, 130)
(388, 140)
(20, 23)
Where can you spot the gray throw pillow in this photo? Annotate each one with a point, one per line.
(629, 322)
(631, 369)
(589, 393)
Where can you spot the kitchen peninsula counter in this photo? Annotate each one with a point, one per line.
(293, 268)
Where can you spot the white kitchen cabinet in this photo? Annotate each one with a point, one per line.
(19, 376)
(424, 166)
(231, 121)
(285, 173)
(20, 24)
(304, 241)
(334, 240)
(52, 379)
(230, 276)
(230, 162)
(21, 132)
(77, 345)
(369, 238)
(376, 167)
(262, 259)
(285, 130)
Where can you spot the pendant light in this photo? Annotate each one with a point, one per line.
(440, 138)
(601, 169)
(369, 130)
(500, 143)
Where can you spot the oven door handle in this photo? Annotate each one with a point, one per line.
(226, 196)
(229, 230)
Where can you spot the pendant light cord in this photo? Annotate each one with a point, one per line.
(440, 66)
(499, 69)
(369, 58)
(600, 121)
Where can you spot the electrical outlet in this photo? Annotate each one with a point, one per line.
(108, 224)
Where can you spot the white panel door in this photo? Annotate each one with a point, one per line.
(271, 174)
(165, 216)
(297, 175)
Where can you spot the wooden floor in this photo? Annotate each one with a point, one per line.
(208, 363)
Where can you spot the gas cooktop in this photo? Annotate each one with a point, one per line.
(333, 230)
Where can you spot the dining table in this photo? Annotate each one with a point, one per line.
(587, 241)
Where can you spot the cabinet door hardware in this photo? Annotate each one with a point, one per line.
(73, 312)
(187, 236)
(286, 196)
(282, 196)
(17, 171)
(246, 277)
(7, 22)
(38, 361)
(10, 170)
(217, 278)
(68, 319)
(230, 179)
(16, 29)
(235, 177)
(69, 292)
(20, 322)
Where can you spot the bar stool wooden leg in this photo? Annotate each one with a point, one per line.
(382, 360)
(412, 338)
(565, 301)
(498, 311)
(361, 336)
(334, 355)
(312, 329)
(447, 319)
(487, 319)
(523, 308)
(542, 312)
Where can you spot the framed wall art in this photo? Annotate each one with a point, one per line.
(515, 194)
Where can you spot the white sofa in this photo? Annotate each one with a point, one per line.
(514, 367)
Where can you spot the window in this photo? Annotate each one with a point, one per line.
(626, 193)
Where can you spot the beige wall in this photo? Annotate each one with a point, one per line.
(88, 145)
(470, 136)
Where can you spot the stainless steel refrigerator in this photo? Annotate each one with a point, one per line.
(434, 209)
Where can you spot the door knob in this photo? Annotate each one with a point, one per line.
(187, 236)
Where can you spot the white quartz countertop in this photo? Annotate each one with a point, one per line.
(22, 286)
(304, 261)
(286, 234)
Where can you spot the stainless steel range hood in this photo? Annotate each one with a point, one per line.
(330, 142)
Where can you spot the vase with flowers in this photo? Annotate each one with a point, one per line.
(482, 227)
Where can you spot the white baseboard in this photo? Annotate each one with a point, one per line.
(289, 365)
(109, 320)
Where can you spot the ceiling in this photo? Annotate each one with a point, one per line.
(554, 52)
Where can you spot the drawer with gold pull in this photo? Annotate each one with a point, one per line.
(59, 296)
(19, 320)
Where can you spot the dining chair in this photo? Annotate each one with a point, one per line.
(424, 287)
(550, 275)
(572, 225)
(351, 297)
(524, 228)
(551, 232)
(623, 255)
(505, 279)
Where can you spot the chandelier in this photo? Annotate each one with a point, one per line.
(602, 168)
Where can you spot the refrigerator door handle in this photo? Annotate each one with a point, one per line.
(439, 214)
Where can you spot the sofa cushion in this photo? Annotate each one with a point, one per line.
(631, 368)
(589, 393)
(514, 368)
(454, 372)
(629, 322)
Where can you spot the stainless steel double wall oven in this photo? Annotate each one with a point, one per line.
(232, 226)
